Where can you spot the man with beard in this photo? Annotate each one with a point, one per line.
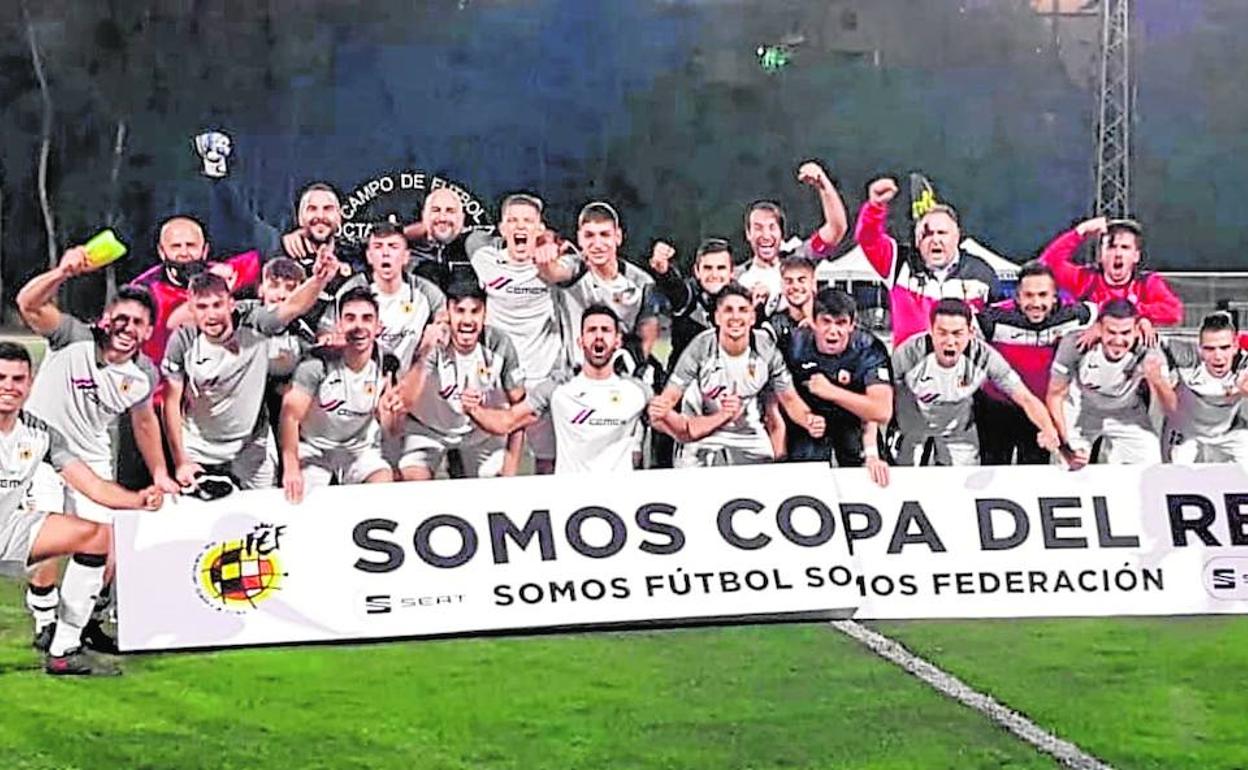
(600, 278)
(1099, 393)
(523, 306)
(848, 377)
(89, 379)
(319, 217)
(918, 281)
(1025, 331)
(29, 537)
(939, 374)
(1117, 274)
(728, 381)
(797, 275)
(764, 232)
(337, 406)
(216, 370)
(598, 415)
(183, 251)
(440, 245)
(692, 299)
(468, 363)
(1207, 423)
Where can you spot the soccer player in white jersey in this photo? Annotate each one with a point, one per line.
(216, 371)
(939, 373)
(728, 382)
(460, 355)
(524, 306)
(88, 380)
(598, 415)
(29, 536)
(1100, 393)
(1207, 422)
(406, 303)
(334, 413)
(602, 277)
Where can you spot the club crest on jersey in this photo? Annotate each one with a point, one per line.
(614, 397)
(126, 385)
(843, 377)
(751, 369)
(483, 371)
(369, 389)
(407, 308)
(25, 453)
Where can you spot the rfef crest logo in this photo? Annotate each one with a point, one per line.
(238, 575)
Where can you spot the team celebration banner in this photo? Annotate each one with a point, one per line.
(801, 540)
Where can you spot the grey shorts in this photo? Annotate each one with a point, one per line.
(18, 530)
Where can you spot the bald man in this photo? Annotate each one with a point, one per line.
(438, 240)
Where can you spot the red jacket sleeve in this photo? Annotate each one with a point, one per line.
(871, 234)
(1158, 302)
(247, 267)
(1070, 277)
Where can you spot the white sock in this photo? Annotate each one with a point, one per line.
(84, 577)
(42, 607)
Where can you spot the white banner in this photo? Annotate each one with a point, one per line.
(457, 557)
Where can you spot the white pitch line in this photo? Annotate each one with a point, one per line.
(1064, 751)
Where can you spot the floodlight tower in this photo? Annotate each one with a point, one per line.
(1113, 127)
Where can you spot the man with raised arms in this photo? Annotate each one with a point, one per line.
(216, 370)
(337, 407)
(467, 362)
(1099, 393)
(764, 232)
(728, 382)
(693, 298)
(28, 537)
(598, 415)
(939, 373)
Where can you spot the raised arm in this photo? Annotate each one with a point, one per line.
(871, 229)
(36, 302)
(835, 222)
(1058, 254)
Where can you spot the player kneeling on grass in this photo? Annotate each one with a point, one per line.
(214, 418)
(939, 374)
(848, 376)
(597, 415)
(28, 537)
(337, 406)
(467, 363)
(1100, 393)
(729, 381)
(1207, 423)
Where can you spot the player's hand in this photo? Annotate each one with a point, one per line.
(331, 339)
(1152, 368)
(1241, 385)
(759, 294)
(661, 257)
(877, 469)
(1088, 338)
(730, 405)
(227, 273)
(546, 253)
(74, 262)
(658, 409)
(811, 173)
(437, 333)
(185, 473)
(1148, 332)
(816, 425)
(1094, 226)
(1076, 459)
(151, 498)
(292, 484)
(326, 265)
(294, 245)
(1048, 440)
(882, 191)
(165, 483)
(470, 399)
(819, 385)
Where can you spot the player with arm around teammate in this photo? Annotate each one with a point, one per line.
(1210, 380)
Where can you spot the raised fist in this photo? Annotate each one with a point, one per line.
(661, 257)
(1093, 226)
(74, 262)
(812, 173)
(882, 190)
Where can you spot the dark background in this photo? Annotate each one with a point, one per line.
(660, 106)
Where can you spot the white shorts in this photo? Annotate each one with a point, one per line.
(958, 449)
(320, 466)
(482, 453)
(50, 493)
(1126, 437)
(702, 456)
(18, 530)
(1186, 449)
(254, 465)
